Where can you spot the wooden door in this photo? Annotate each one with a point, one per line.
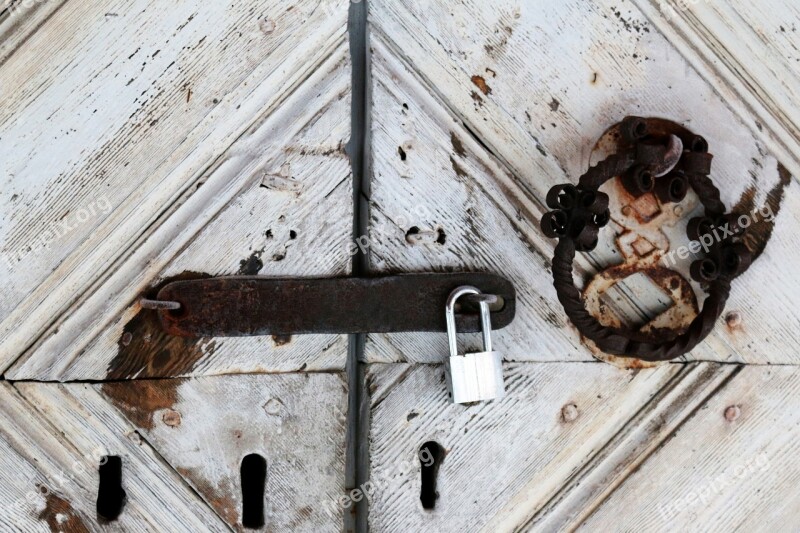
(144, 142)
(478, 108)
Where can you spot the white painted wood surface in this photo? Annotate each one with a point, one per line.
(508, 461)
(731, 466)
(215, 133)
(56, 435)
(478, 109)
(748, 50)
(490, 71)
(140, 143)
(171, 124)
(204, 427)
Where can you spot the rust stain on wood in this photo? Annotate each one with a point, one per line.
(145, 350)
(734, 322)
(59, 514)
(220, 498)
(480, 82)
(760, 231)
(171, 417)
(139, 401)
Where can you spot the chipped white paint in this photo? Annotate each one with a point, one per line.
(504, 459)
(749, 50)
(206, 138)
(296, 422)
(174, 120)
(478, 109)
(718, 472)
(56, 435)
(219, 138)
(441, 74)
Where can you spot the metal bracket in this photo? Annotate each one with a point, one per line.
(255, 306)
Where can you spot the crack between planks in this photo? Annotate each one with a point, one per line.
(358, 148)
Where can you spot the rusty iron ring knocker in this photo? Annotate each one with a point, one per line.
(661, 166)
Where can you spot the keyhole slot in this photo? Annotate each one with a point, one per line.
(254, 479)
(110, 494)
(431, 455)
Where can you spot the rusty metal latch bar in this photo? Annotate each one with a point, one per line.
(255, 306)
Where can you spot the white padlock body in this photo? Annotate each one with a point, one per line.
(476, 377)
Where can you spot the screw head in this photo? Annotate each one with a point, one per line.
(732, 413)
(171, 418)
(569, 413)
(733, 319)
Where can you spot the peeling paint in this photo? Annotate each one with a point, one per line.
(458, 146)
(460, 172)
(760, 232)
(251, 265)
(139, 401)
(59, 514)
(480, 82)
(146, 351)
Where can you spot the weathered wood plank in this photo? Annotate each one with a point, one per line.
(204, 427)
(507, 459)
(732, 466)
(278, 209)
(19, 20)
(488, 71)
(750, 52)
(608, 468)
(25, 507)
(62, 432)
(190, 101)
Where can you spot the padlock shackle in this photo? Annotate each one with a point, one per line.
(450, 316)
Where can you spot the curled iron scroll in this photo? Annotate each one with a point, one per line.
(667, 166)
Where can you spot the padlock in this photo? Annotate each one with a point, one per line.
(474, 377)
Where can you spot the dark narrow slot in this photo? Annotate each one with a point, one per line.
(358, 148)
(254, 480)
(430, 457)
(110, 494)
